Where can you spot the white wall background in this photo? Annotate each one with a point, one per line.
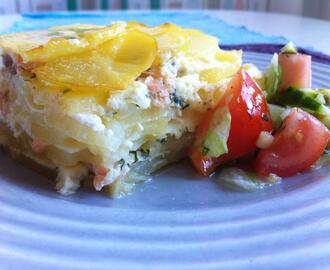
(312, 8)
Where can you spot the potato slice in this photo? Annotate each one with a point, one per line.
(112, 65)
(229, 63)
(71, 40)
(170, 37)
(174, 38)
(200, 44)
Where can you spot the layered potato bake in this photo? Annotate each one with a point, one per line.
(111, 104)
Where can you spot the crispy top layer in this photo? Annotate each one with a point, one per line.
(88, 57)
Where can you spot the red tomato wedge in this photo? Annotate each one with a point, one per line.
(297, 145)
(296, 70)
(249, 116)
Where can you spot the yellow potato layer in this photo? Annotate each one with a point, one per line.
(113, 65)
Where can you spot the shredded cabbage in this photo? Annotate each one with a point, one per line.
(238, 179)
(216, 141)
(273, 77)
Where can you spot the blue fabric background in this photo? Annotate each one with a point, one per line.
(228, 34)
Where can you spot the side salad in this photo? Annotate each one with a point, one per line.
(259, 133)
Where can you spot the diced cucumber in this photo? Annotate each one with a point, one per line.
(301, 98)
(275, 114)
(215, 143)
(309, 100)
(305, 98)
(273, 77)
(289, 48)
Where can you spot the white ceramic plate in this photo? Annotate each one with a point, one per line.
(177, 221)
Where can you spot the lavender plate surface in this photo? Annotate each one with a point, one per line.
(177, 221)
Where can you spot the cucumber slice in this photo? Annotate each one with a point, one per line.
(305, 98)
(298, 97)
(309, 100)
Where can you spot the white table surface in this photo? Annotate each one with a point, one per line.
(306, 32)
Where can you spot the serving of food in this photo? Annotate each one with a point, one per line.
(113, 104)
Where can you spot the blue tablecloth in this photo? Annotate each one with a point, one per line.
(228, 34)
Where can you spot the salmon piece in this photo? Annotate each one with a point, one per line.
(100, 173)
(100, 170)
(296, 70)
(159, 92)
(38, 146)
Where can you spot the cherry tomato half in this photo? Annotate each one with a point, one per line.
(297, 145)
